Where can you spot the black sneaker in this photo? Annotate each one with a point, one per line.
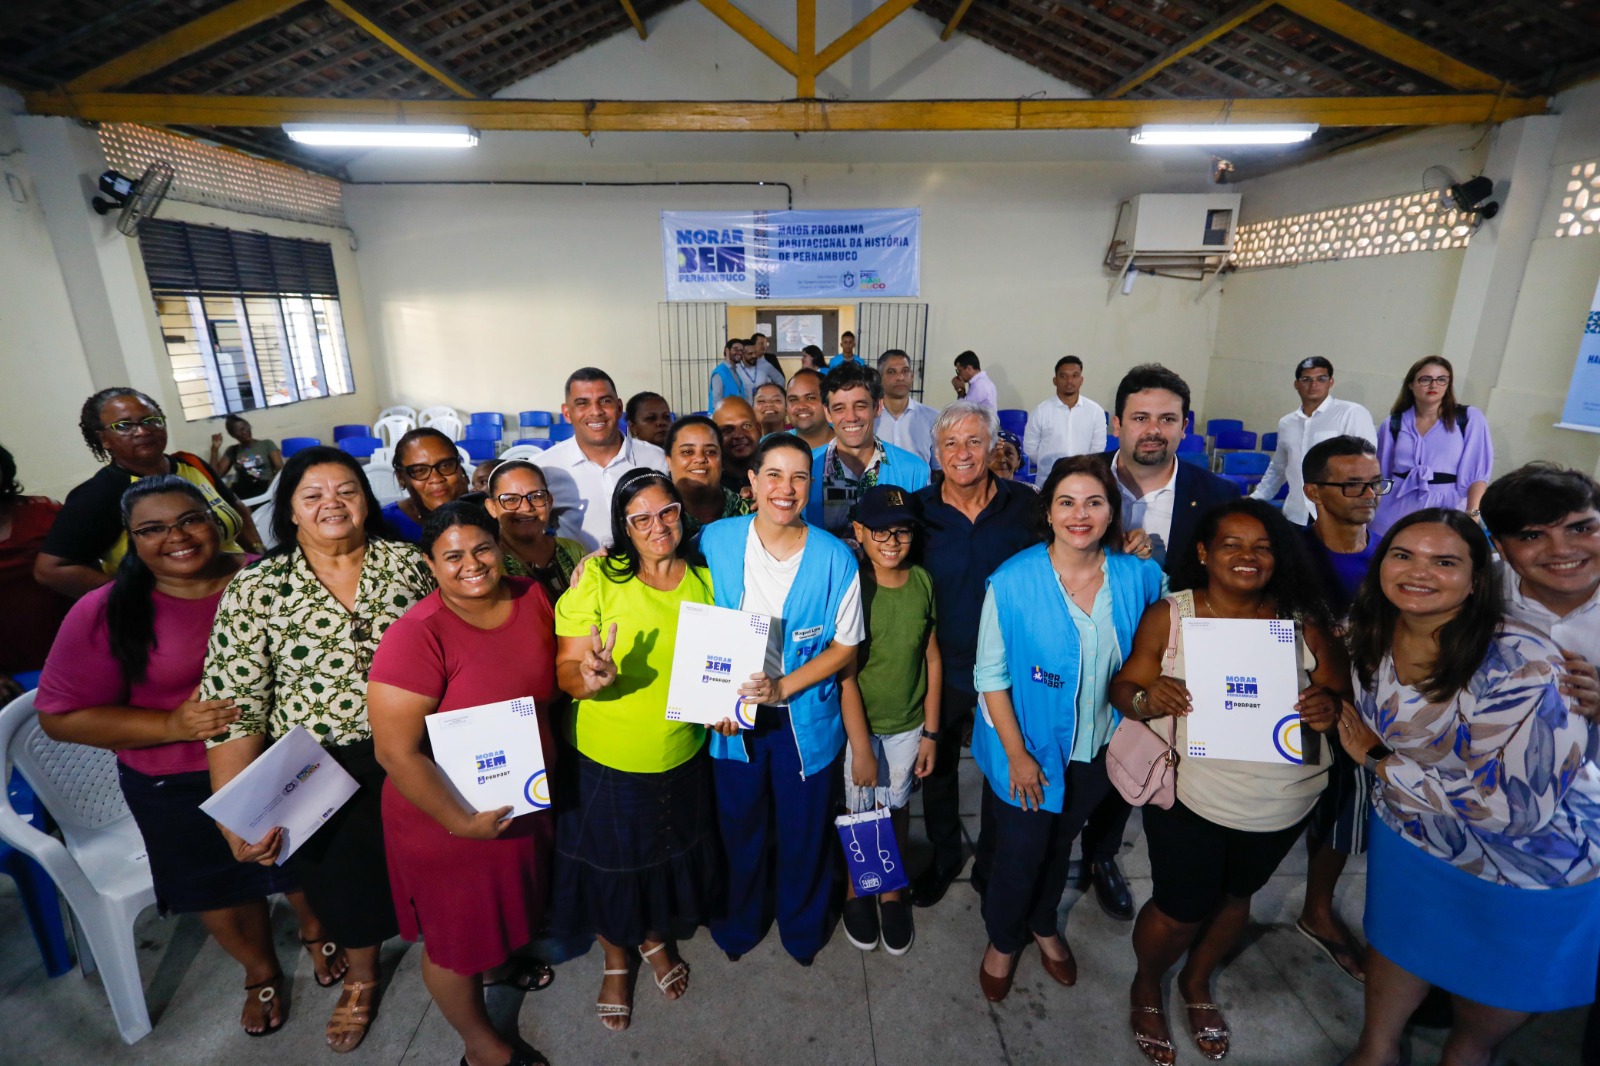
(861, 922)
(898, 932)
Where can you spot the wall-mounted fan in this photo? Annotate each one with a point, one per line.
(135, 199)
(1470, 197)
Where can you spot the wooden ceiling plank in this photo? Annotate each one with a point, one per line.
(633, 17)
(960, 13)
(785, 116)
(1296, 56)
(857, 35)
(1487, 42)
(191, 37)
(402, 46)
(805, 48)
(1392, 44)
(1188, 46)
(124, 12)
(1054, 11)
(1054, 44)
(753, 32)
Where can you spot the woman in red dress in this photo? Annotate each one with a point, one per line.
(32, 612)
(471, 885)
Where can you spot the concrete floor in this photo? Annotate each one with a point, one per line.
(1286, 1003)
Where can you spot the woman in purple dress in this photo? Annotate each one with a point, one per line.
(1438, 451)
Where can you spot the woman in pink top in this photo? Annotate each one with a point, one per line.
(123, 675)
(470, 884)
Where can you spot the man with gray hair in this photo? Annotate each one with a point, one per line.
(972, 522)
(903, 421)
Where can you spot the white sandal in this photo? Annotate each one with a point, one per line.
(680, 972)
(613, 1010)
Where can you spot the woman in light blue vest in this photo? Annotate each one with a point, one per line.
(1057, 621)
(785, 770)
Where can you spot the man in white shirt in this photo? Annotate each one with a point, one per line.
(904, 422)
(755, 357)
(1068, 423)
(583, 470)
(1318, 418)
(972, 384)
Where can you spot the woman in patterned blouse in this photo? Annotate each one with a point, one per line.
(291, 646)
(1484, 855)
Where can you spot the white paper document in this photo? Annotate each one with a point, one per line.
(1244, 678)
(493, 756)
(718, 649)
(294, 784)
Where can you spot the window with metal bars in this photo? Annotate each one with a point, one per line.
(249, 320)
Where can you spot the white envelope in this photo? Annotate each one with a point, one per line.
(718, 649)
(294, 784)
(1244, 678)
(493, 756)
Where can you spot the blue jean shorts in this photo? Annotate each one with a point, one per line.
(897, 758)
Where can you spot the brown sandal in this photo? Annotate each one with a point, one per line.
(326, 952)
(351, 1017)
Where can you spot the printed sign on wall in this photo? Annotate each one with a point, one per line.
(786, 255)
(1582, 411)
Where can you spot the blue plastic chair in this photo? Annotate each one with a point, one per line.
(535, 420)
(1194, 458)
(1269, 442)
(538, 442)
(493, 418)
(341, 432)
(481, 431)
(1235, 440)
(34, 887)
(480, 448)
(1188, 422)
(1112, 443)
(1246, 463)
(361, 447)
(1192, 445)
(289, 445)
(1218, 426)
(1014, 420)
(561, 431)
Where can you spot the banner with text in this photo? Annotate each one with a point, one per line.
(1582, 411)
(788, 255)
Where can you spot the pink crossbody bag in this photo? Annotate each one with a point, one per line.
(1142, 766)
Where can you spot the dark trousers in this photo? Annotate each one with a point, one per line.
(941, 789)
(754, 800)
(1031, 854)
(1591, 1031)
(1107, 825)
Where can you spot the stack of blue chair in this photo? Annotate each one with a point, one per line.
(341, 432)
(1192, 449)
(1269, 442)
(1245, 468)
(561, 431)
(289, 445)
(542, 443)
(1232, 440)
(480, 448)
(360, 447)
(1214, 426)
(1014, 420)
(528, 420)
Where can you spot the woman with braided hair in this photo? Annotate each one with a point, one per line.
(127, 430)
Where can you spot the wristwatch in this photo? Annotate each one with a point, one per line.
(1376, 754)
(1141, 703)
(931, 734)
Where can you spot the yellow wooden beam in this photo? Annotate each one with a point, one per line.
(633, 17)
(1188, 46)
(186, 40)
(799, 116)
(955, 20)
(1386, 41)
(403, 48)
(805, 47)
(752, 31)
(857, 35)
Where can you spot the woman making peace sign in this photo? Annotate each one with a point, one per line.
(635, 839)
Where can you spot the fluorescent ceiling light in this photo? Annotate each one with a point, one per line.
(381, 136)
(1232, 133)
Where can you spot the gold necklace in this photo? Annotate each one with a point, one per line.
(1076, 592)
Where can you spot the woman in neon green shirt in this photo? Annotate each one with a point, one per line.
(636, 845)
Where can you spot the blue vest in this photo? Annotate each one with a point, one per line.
(899, 467)
(731, 385)
(826, 570)
(1043, 658)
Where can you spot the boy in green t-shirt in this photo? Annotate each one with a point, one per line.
(900, 681)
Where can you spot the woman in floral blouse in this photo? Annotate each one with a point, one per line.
(1483, 862)
(292, 643)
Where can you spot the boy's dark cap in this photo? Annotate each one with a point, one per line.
(883, 506)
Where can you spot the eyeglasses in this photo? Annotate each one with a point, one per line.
(129, 426)
(444, 468)
(669, 515)
(189, 523)
(884, 536)
(513, 501)
(1354, 489)
(1442, 379)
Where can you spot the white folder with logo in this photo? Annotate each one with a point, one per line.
(1244, 678)
(493, 756)
(718, 649)
(294, 784)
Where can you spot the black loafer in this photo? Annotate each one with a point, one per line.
(930, 888)
(1112, 891)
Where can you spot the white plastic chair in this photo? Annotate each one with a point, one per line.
(385, 486)
(101, 869)
(428, 414)
(382, 456)
(466, 460)
(448, 424)
(390, 428)
(531, 452)
(400, 410)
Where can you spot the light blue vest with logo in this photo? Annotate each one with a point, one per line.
(899, 467)
(1044, 660)
(731, 385)
(809, 611)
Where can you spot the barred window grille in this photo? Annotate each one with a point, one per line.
(1416, 222)
(224, 178)
(1580, 202)
(249, 320)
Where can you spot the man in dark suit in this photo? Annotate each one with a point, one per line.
(1165, 498)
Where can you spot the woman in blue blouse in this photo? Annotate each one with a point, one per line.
(1483, 871)
(1058, 620)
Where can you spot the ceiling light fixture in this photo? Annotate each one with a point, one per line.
(380, 136)
(1232, 133)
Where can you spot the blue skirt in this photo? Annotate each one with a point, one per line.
(1521, 949)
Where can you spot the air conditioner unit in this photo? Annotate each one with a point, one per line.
(1163, 231)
